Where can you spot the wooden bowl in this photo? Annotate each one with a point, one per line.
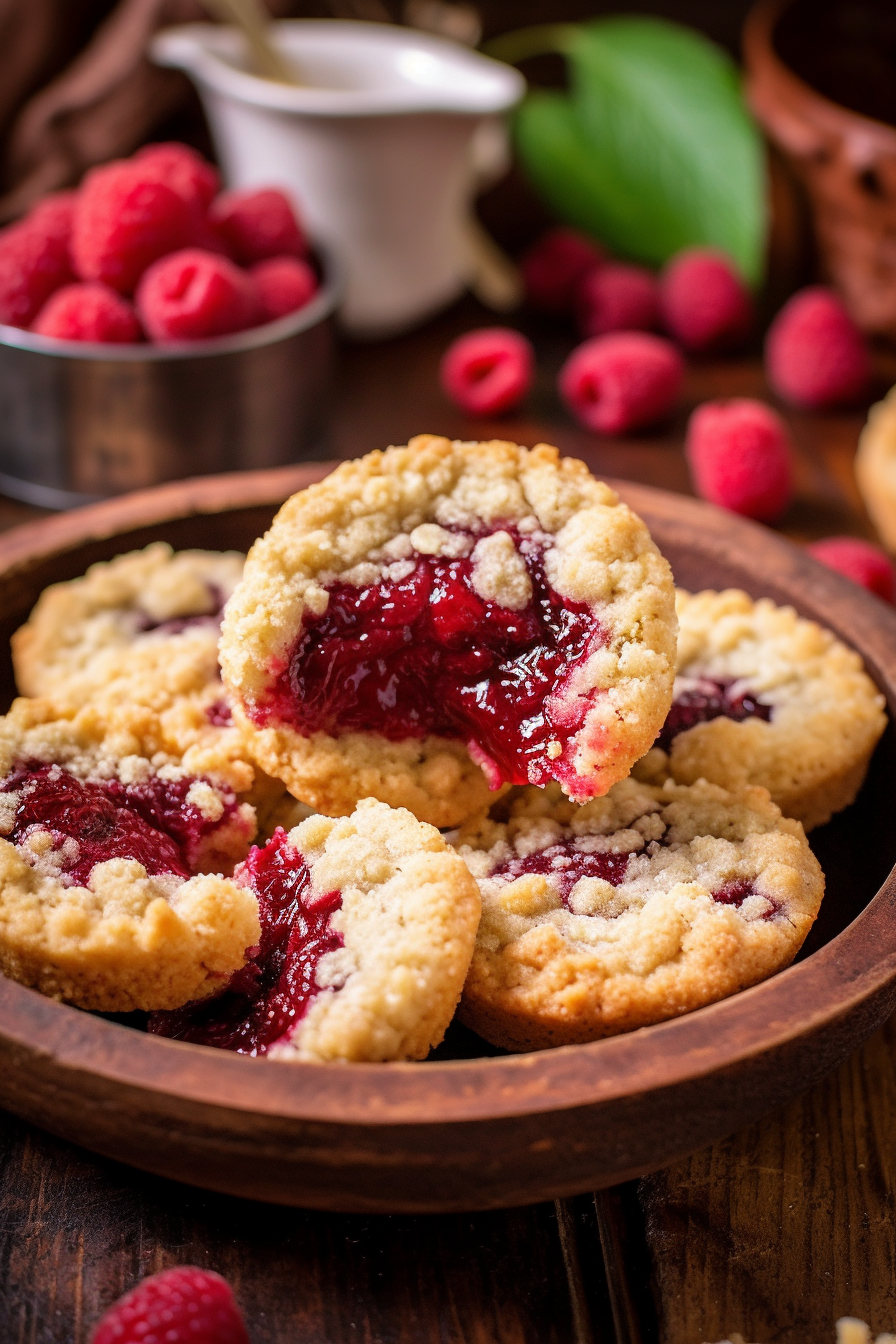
(845, 160)
(475, 1132)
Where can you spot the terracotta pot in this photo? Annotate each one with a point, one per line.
(847, 163)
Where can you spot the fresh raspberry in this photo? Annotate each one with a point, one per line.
(621, 382)
(255, 225)
(704, 303)
(741, 457)
(488, 371)
(193, 295)
(125, 219)
(55, 214)
(815, 355)
(88, 312)
(35, 259)
(617, 297)
(179, 1306)
(859, 560)
(182, 169)
(284, 285)
(554, 266)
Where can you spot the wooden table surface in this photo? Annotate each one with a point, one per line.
(772, 1233)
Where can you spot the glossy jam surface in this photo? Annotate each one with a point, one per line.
(705, 700)
(567, 864)
(427, 655)
(266, 999)
(151, 821)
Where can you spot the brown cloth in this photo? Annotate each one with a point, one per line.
(102, 105)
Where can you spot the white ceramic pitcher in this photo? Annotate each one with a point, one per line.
(375, 144)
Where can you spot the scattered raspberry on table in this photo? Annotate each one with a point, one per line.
(488, 371)
(185, 1305)
(617, 297)
(554, 266)
(859, 560)
(624, 381)
(705, 304)
(815, 355)
(740, 457)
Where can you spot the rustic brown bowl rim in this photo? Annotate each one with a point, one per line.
(830, 985)
(763, 62)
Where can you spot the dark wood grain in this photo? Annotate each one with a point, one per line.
(77, 1231)
(789, 1224)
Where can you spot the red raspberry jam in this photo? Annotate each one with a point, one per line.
(568, 864)
(218, 714)
(427, 655)
(705, 700)
(265, 1000)
(151, 822)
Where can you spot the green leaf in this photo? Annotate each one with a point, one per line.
(563, 167)
(653, 150)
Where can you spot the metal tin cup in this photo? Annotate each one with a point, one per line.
(80, 422)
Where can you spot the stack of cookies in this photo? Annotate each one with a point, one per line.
(455, 751)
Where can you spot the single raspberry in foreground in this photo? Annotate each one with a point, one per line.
(125, 219)
(815, 355)
(617, 297)
(88, 312)
(182, 169)
(705, 304)
(284, 284)
(35, 259)
(488, 371)
(255, 225)
(554, 266)
(620, 382)
(740, 457)
(195, 295)
(859, 560)
(185, 1305)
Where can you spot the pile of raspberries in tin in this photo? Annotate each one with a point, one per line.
(150, 249)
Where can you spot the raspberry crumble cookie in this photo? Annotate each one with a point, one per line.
(765, 697)
(142, 627)
(368, 925)
(634, 908)
(111, 893)
(442, 619)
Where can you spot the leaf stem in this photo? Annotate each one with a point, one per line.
(541, 40)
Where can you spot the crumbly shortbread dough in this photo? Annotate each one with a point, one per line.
(409, 914)
(116, 631)
(126, 940)
(371, 519)
(609, 958)
(826, 713)
(875, 467)
(87, 640)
